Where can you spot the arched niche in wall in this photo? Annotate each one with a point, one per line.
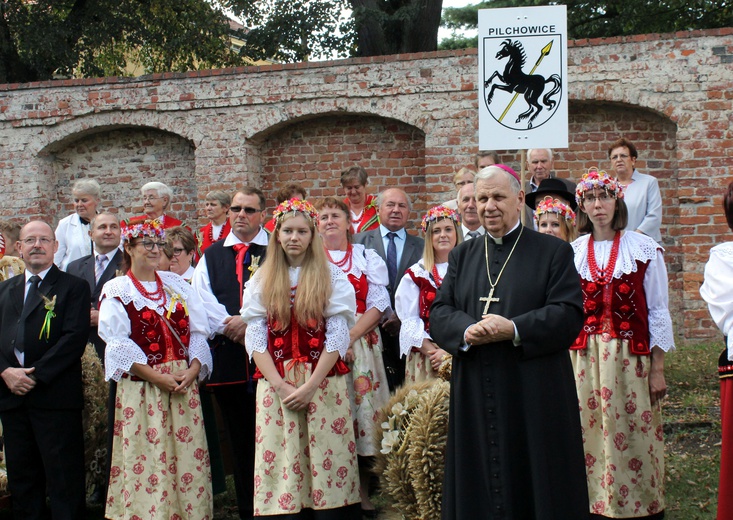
(313, 151)
(122, 159)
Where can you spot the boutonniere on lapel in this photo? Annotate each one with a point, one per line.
(50, 305)
(254, 265)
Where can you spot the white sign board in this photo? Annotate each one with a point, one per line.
(523, 78)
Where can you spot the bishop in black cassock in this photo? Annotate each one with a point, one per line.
(514, 446)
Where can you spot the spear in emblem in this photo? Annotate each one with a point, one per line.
(544, 52)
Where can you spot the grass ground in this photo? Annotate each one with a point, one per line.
(692, 427)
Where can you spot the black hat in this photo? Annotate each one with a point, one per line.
(551, 187)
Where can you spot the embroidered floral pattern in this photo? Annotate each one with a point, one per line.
(160, 459)
(293, 470)
(622, 431)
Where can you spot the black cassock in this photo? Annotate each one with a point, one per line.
(514, 441)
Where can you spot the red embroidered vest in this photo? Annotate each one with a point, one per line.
(153, 336)
(619, 309)
(427, 295)
(361, 288)
(298, 344)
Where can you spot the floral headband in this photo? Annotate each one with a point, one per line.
(146, 228)
(550, 205)
(293, 206)
(439, 213)
(598, 179)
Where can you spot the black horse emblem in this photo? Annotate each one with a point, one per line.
(515, 80)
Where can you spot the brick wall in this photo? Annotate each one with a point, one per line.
(410, 119)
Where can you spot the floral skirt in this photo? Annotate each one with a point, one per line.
(160, 460)
(305, 459)
(368, 390)
(622, 432)
(418, 368)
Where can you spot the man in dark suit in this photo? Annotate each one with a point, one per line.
(99, 267)
(43, 333)
(219, 279)
(399, 250)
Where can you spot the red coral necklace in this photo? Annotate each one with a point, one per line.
(603, 276)
(211, 233)
(157, 296)
(438, 279)
(348, 257)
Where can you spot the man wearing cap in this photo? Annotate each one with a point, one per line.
(514, 445)
(540, 165)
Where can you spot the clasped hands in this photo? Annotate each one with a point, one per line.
(490, 329)
(20, 381)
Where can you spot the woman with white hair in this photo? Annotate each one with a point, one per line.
(156, 198)
(72, 232)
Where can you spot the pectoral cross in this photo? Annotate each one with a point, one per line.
(489, 300)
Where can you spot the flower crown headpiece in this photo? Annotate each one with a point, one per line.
(438, 213)
(146, 228)
(295, 206)
(598, 179)
(550, 205)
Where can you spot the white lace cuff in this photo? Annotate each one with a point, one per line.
(119, 355)
(660, 330)
(337, 334)
(412, 333)
(377, 297)
(199, 349)
(255, 338)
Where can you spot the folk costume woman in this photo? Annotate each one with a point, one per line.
(416, 292)
(717, 291)
(299, 309)
(155, 328)
(554, 217)
(362, 206)
(367, 273)
(618, 358)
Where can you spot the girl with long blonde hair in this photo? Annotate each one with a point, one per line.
(299, 309)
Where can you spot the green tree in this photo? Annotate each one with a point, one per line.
(89, 38)
(595, 19)
(294, 30)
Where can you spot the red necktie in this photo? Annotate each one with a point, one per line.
(241, 250)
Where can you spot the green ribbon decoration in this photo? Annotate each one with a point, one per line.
(47, 324)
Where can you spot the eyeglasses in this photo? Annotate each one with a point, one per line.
(247, 209)
(149, 245)
(177, 251)
(591, 199)
(618, 156)
(150, 198)
(31, 241)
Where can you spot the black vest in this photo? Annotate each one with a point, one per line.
(231, 362)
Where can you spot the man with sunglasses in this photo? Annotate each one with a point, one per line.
(44, 325)
(219, 279)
